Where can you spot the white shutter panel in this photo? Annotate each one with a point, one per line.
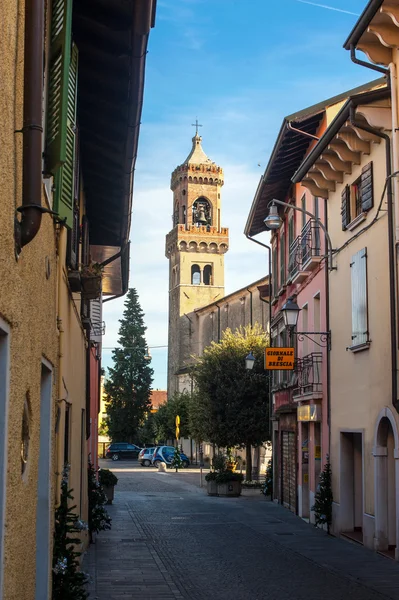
(360, 334)
(96, 318)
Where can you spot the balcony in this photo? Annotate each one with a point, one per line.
(309, 382)
(305, 252)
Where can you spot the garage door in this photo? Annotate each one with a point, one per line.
(288, 470)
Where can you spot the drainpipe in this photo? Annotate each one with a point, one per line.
(363, 63)
(32, 130)
(391, 253)
(305, 133)
(250, 307)
(270, 277)
(327, 285)
(269, 250)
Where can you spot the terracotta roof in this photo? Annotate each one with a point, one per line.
(157, 398)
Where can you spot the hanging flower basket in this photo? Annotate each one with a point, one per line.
(91, 279)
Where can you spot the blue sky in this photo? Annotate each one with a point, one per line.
(239, 66)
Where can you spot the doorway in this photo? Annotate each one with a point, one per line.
(385, 489)
(351, 484)
(43, 509)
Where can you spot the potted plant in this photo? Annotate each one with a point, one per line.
(229, 483)
(108, 481)
(211, 485)
(91, 279)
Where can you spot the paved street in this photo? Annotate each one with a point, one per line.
(170, 541)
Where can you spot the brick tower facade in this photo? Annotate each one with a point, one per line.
(195, 248)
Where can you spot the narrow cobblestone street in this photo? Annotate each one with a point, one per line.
(170, 541)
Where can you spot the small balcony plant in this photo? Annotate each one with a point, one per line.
(91, 278)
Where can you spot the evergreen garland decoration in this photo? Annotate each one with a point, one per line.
(99, 519)
(68, 582)
(324, 498)
(177, 462)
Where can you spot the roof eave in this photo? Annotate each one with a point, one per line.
(334, 128)
(362, 23)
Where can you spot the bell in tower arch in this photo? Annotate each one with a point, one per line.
(201, 218)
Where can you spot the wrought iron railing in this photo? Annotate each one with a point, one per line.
(304, 247)
(309, 374)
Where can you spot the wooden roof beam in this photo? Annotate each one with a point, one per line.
(321, 181)
(353, 142)
(328, 173)
(344, 153)
(314, 189)
(336, 163)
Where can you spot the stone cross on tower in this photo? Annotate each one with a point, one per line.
(196, 125)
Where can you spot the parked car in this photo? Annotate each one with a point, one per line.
(122, 450)
(165, 454)
(145, 456)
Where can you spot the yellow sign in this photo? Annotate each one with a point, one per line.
(177, 420)
(281, 359)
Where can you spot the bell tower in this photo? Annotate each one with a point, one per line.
(195, 247)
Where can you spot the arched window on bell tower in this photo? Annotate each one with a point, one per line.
(176, 214)
(195, 275)
(183, 217)
(208, 275)
(202, 212)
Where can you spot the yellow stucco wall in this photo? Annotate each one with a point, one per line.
(360, 382)
(30, 304)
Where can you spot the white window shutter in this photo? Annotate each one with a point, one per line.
(360, 334)
(96, 318)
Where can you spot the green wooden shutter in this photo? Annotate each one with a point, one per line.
(60, 57)
(366, 187)
(345, 207)
(65, 176)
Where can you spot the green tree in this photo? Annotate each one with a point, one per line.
(128, 385)
(233, 401)
(165, 417)
(324, 498)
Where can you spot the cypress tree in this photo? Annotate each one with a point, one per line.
(129, 381)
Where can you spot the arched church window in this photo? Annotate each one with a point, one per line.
(208, 275)
(183, 215)
(195, 275)
(202, 212)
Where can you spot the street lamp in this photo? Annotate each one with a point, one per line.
(249, 361)
(290, 312)
(273, 219)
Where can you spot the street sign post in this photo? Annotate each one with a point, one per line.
(177, 429)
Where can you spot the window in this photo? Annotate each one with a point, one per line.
(208, 275)
(303, 206)
(274, 273)
(357, 198)
(183, 211)
(316, 232)
(360, 333)
(282, 259)
(195, 275)
(291, 231)
(176, 215)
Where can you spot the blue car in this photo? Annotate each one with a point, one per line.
(165, 454)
